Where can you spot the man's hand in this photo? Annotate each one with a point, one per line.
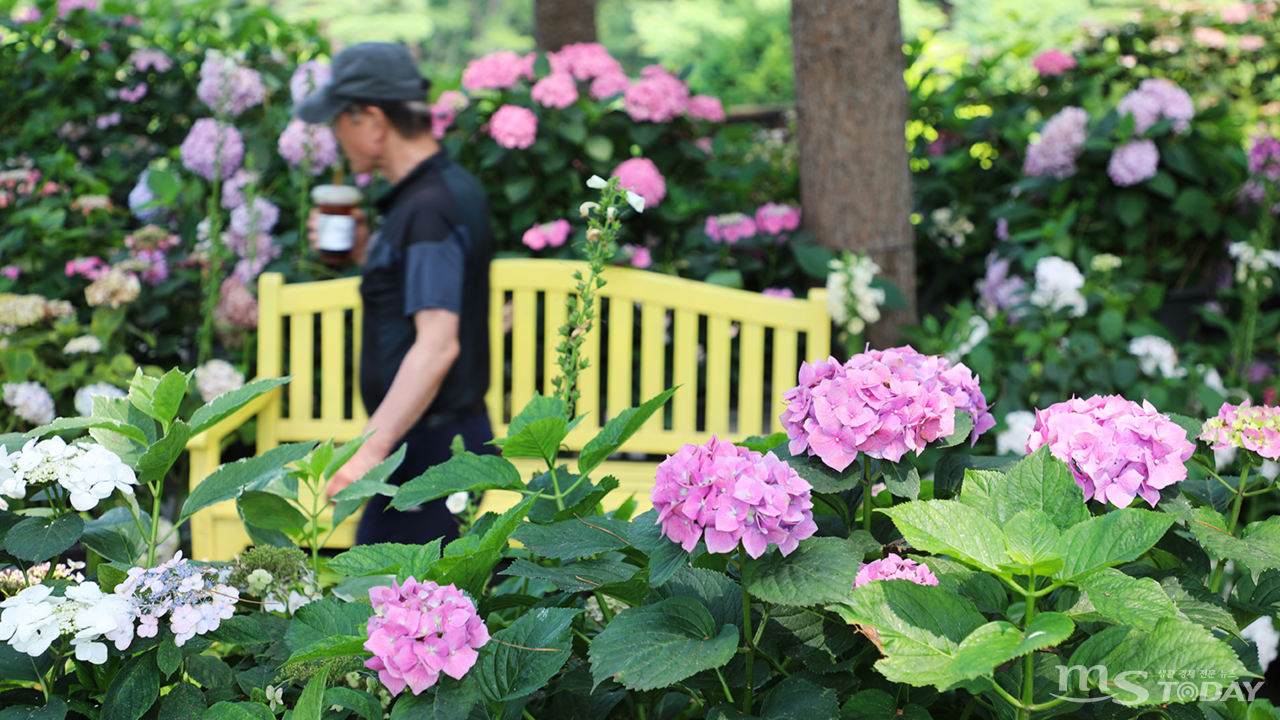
(365, 459)
(361, 247)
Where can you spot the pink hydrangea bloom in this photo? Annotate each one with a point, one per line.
(557, 90)
(145, 60)
(514, 127)
(133, 95)
(66, 7)
(882, 403)
(212, 148)
(606, 86)
(1245, 426)
(11, 271)
(705, 107)
(310, 147)
(309, 77)
(775, 219)
(893, 567)
(642, 258)
(1157, 98)
(1237, 14)
(584, 61)
(237, 307)
(1061, 141)
(27, 15)
(729, 228)
(227, 87)
(1210, 37)
(445, 110)
(1252, 43)
(497, 71)
(1053, 62)
(420, 630)
(254, 255)
(725, 494)
(778, 292)
(552, 234)
(1133, 162)
(1117, 450)
(658, 96)
(90, 268)
(641, 176)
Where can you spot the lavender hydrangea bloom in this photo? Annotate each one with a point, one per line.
(140, 196)
(893, 567)
(227, 87)
(308, 78)
(213, 149)
(1154, 99)
(233, 189)
(252, 219)
(728, 495)
(1264, 161)
(1117, 450)
(1060, 143)
(195, 604)
(310, 147)
(1133, 162)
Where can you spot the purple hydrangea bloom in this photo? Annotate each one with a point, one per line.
(195, 604)
(998, 290)
(310, 147)
(893, 567)
(212, 149)
(308, 78)
(882, 403)
(139, 196)
(1118, 450)
(1133, 162)
(1157, 98)
(255, 218)
(1264, 160)
(227, 87)
(725, 495)
(1060, 143)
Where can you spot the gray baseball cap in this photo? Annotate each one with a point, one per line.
(367, 71)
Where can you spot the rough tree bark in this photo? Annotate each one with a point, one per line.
(852, 106)
(557, 23)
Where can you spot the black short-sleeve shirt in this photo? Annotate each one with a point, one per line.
(432, 252)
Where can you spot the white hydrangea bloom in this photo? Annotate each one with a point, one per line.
(30, 401)
(83, 344)
(949, 230)
(94, 475)
(1014, 439)
(217, 377)
(96, 616)
(84, 396)
(1156, 355)
(1058, 284)
(456, 502)
(28, 620)
(851, 300)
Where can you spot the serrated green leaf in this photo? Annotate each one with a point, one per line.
(209, 671)
(1125, 600)
(964, 426)
(184, 702)
(338, 646)
(949, 473)
(665, 556)
(226, 404)
(237, 710)
(820, 571)
(232, 479)
(168, 394)
(115, 536)
(919, 628)
(587, 505)
(823, 478)
(1259, 595)
(384, 558)
(719, 594)
(527, 654)
(19, 666)
(798, 698)
(539, 439)
(82, 423)
(466, 472)
(37, 539)
(311, 704)
(1194, 602)
(901, 478)
(538, 408)
(1173, 648)
(1037, 482)
(269, 511)
(617, 431)
(998, 642)
(133, 690)
(1258, 548)
(1033, 544)
(800, 632)
(449, 700)
(55, 709)
(324, 619)
(573, 539)
(950, 528)
(762, 444)
(1118, 537)
(358, 701)
(371, 483)
(656, 645)
(575, 577)
(154, 464)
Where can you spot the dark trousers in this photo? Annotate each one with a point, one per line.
(428, 521)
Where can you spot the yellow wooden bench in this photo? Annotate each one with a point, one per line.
(654, 331)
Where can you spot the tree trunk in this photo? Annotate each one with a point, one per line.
(557, 23)
(852, 107)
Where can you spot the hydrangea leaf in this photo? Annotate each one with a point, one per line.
(1258, 549)
(449, 699)
(324, 619)
(800, 632)
(822, 477)
(66, 423)
(820, 571)
(383, 558)
(133, 690)
(232, 479)
(37, 539)
(573, 539)
(55, 709)
(539, 439)
(226, 404)
(949, 473)
(950, 528)
(1197, 604)
(998, 642)
(311, 703)
(183, 701)
(901, 478)
(963, 427)
(665, 556)
(269, 511)
(1118, 537)
(618, 430)
(1037, 482)
(115, 535)
(1260, 596)
(721, 595)
(580, 576)
(1123, 600)
(987, 593)
(1174, 648)
(798, 698)
(917, 628)
(656, 645)
(586, 505)
(523, 657)
(358, 701)
(1034, 544)
(466, 472)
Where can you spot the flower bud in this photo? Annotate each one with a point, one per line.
(594, 234)
(587, 208)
